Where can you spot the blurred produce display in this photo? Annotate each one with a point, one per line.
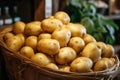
(85, 13)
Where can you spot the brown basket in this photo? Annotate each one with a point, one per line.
(21, 68)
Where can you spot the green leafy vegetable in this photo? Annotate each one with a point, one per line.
(85, 13)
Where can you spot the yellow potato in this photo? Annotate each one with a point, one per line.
(81, 64)
(7, 36)
(49, 25)
(77, 44)
(65, 55)
(41, 59)
(65, 68)
(63, 16)
(18, 27)
(92, 51)
(31, 41)
(100, 65)
(52, 66)
(33, 29)
(62, 35)
(109, 62)
(103, 47)
(77, 30)
(109, 52)
(22, 36)
(48, 46)
(27, 51)
(14, 43)
(44, 36)
(88, 38)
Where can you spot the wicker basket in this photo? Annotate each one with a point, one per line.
(22, 68)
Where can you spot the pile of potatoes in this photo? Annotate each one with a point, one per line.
(58, 44)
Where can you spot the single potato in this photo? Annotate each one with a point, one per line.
(33, 29)
(52, 66)
(27, 51)
(100, 65)
(109, 52)
(102, 45)
(65, 55)
(88, 38)
(48, 46)
(77, 30)
(77, 44)
(7, 36)
(18, 27)
(65, 68)
(81, 65)
(22, 36)
(44, 36)
(40, 59)
(14, 43)
(63, 16)
(92, 51)
(49, 25)
(62, 35)
(32, 42)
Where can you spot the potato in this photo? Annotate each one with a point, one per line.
(62, 35)
(27, 51)
(88, 38)
(50, 17)
(48, 46)
(36, 22)
(33, 29)
(41, 59)
(109, 52)
(102, 45)
(14, 43)
(65, 55)
(49, 25)
(18, 27)
(44, 36)
(109, 62)
(7, 36)
(77, 44)
(22, 36)
(52, 66)
(100, 65)
(81, 64)
(63, 16)
(65, 68)
(77, 30)
(32, 42)
(92, 51)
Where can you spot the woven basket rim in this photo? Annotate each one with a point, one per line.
(25, 60)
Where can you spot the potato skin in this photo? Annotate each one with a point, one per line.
(63, 35)
(40, 59)
(63, 16)
(31, 41)
(44, 36)
(48, 46)
(27, 51)
(18, 27)
(77, 30)
(33, 29)
(14, 43)
(81, 64)
(49, 25)
(77, 44)
(65, 55)
(7, 36)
